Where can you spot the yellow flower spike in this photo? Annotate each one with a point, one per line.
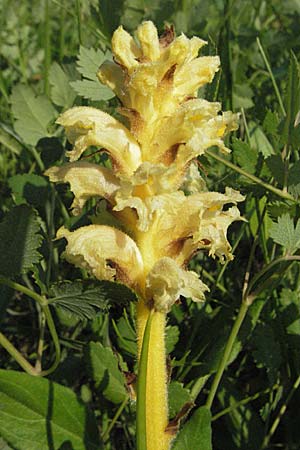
(154, 189)
(106, 252)
(86, 180)
(87, 126)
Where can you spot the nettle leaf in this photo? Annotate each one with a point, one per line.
(19, 241)
(196, 433)
(37, 413)
(245, 155)
(32, 114)
(83, 298)
(105, 372)
(62, 94)
(178, 397)
(88, 64)
(29, 188)
(286, 234)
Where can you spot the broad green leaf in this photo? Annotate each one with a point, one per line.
(126, 336)
(83, 298)
(259, 141)
(29, 188)
(38, 414)
(8, 141)
(19, 241)
(92, 90)
(105, 372)
(245, 156)
(89, 61)
(242, 96)
(62, 93)
(286, 234)
(196, 433)
(294, 179)
(172, 337)
(32, 114)
(276, 167)
(178, 397)
(270, 124)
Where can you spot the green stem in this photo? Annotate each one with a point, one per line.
(271, 75)
(251, 177)
(78, 13)
(47, 48)
(105, 435)
(229, 345)
(141, 388)
(9, 347)
(43, 302)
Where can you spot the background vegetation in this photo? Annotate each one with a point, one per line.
(49, 54)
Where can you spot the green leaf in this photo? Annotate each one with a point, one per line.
(32, 114)
(242, 96)
(259, 141)
(178, 397)
(294, 179)
(19, 241)
(245, 155)
(284, 233)
(276, 167)
(126, 336)
(106, 373)
(289, 131)
(88, 64)
(62, 93)
(29, 188)
(270, 124)
(267, 351)
(38, 414)
(89, 61)
(4, 445)
(196, 433)
(83, 298)
(92, 90)
(172, 337)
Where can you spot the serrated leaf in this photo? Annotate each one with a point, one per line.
(83, 298)
(276, 167)
(284, 233)
(294, 179)
(178, 397)
(126, 337)
(38, 414)
(196, 433)
(62, 93)
(270, 124)
(92, 90)
(245, 155)
(29, 188)
(32, 114)
(89, 61)
(19, 241)
(242, 96)
(106, 373)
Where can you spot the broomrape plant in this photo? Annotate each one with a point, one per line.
(154, 192)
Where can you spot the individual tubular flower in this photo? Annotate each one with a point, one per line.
(153, 190)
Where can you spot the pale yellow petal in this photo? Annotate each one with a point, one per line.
(166, 282)
(114, 77)
(86, 180)
(87, 126)
(125, 49)
(107, 253)
(148, 38)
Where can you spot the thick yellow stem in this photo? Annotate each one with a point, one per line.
(156, 395)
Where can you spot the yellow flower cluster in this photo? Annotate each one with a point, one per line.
(154, 188)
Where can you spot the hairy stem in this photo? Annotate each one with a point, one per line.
(152, 385)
